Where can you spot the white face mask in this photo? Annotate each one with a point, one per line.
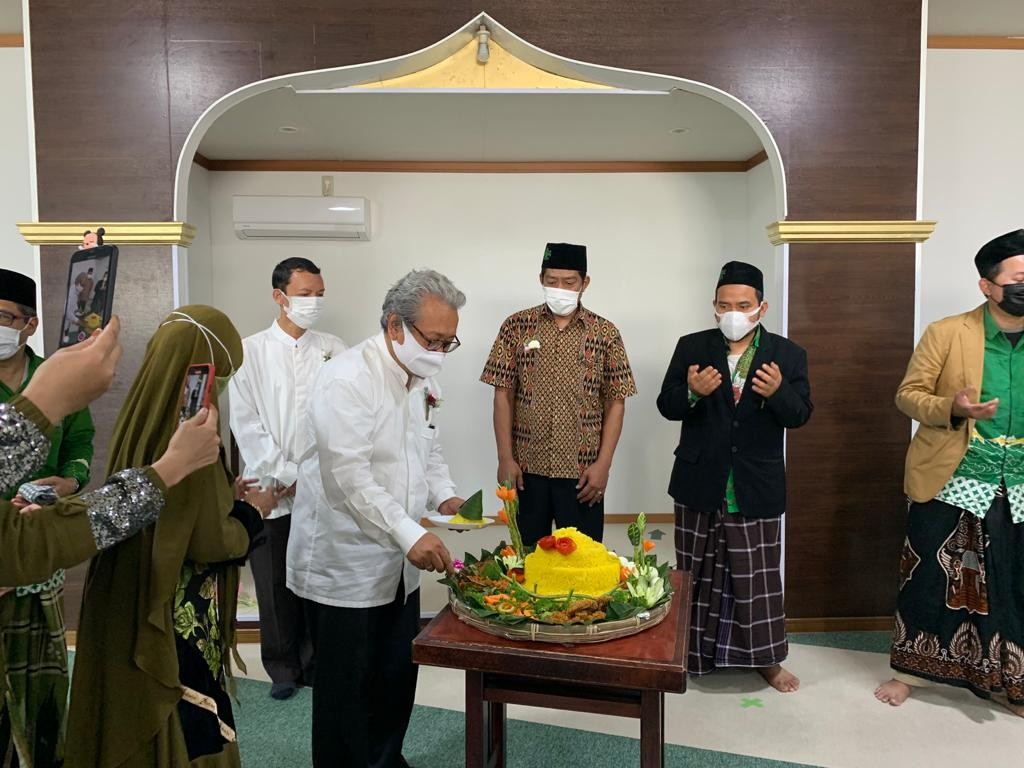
(735, 325)
(561, 301)
(10, 342)
(304, 311)
(417, 359)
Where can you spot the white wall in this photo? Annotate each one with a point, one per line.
(15, 186)
(199, 257)
(655, 245)
(973, 166)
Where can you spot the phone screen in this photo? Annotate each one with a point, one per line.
(90, 293)
(196, 395)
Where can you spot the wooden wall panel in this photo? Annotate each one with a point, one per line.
(836, 83)
(852, 308)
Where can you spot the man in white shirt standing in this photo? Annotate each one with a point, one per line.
(357, 545)
(269, 401)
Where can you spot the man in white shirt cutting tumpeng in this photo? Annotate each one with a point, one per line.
(269, 402)
(357, 546)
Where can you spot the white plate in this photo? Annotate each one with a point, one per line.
(445, 521)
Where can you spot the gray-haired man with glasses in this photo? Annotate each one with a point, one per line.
(357, 546)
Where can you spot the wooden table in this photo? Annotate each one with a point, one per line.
(627, 677)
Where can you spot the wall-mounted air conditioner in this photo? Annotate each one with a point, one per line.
(301, 218)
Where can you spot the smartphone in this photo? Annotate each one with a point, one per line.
(90, 295)
(196, 390)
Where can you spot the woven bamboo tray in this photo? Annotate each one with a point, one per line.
(566, 634)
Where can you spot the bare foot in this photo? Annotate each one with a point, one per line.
(779, 679)
(1017, 709)
(892, 693)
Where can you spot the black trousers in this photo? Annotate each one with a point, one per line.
(365, 682)
(285, 642)
(544, 500)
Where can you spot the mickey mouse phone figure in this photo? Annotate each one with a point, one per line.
(196, 390)
(90, 292)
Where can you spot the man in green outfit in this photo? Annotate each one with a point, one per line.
(33, 641)
(960, 607)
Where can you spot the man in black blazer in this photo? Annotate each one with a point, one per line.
(736, 388)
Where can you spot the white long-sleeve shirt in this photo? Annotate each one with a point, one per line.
(376, 468)
(269, 401)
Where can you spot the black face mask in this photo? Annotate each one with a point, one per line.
(1013, 299)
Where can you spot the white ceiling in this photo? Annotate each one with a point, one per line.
(480, 127)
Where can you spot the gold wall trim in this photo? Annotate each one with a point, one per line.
(850, 231)
(117, 232)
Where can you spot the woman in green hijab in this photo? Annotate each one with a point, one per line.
(131, 704)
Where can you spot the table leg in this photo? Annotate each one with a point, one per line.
(476, 726)
(485, 726)
(652, 729)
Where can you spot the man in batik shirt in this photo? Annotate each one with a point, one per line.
(561, 378)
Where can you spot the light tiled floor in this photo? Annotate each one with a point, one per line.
(832, 721)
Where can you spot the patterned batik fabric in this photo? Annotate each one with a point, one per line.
(561, 379)
(37, 679)
(960, 612)
(738, 618)
(995, 453)
(205, 712)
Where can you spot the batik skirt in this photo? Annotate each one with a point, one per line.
(34, 645)
(960, 610)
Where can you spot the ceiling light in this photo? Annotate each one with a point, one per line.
(483, 50)
(679, 131)
(342, 208)
(288, 129)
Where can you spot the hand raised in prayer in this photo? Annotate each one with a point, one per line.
(703, 382)
(767, 380)
(430, 554)
(965, 409)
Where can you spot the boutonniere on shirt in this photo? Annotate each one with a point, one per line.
(432, 402)
(531, 344)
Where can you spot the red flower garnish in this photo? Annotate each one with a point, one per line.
(518, 575)
(648, 545)
(507, 552)
(503, 516)
(565, 545)
(546, 542)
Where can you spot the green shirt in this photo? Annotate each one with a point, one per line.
(71, 445)
(995, 454)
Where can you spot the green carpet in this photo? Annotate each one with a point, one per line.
(275, 734)
(872, 642)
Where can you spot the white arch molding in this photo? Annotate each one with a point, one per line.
(359, 74)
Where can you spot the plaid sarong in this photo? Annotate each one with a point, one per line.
(33, 713)
(738, 616)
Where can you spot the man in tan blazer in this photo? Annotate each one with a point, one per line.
(960, 615)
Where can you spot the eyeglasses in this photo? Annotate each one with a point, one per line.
(7, 319)
(438, 345)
